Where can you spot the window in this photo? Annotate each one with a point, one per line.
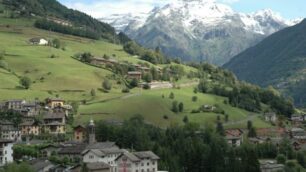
(148, 164)
(142, 164)
(153, 169)
(91, 157)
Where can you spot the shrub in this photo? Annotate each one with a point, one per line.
(175, 108)
(281, 159)
(194, 98)
(3, 64)
(166, 117)
(185, 120)
(195, 111)
(171, 96)
(93, 92)
(25, 82)
(106, 85)
(125, 90)
(146, 86)
(56, 43)
(134, 83)
(181, 107)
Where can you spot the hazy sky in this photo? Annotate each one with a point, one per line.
(289, 9)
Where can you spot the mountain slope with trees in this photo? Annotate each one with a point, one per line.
(81, 23)
(279, 60)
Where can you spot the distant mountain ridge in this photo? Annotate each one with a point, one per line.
(199, 30)
(279, 60)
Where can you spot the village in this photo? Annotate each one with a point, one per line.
(81, 148)
(51, 116)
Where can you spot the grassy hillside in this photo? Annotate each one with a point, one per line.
(72, 80)
(51, 10)
(279, 60)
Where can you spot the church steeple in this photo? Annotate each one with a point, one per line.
(91, 132)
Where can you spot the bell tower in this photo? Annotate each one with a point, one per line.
(91, 132)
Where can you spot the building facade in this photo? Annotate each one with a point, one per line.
(137, 162)
(6, 152)
(9, 131)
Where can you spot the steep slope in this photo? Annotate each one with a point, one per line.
(72, 80)
(53, 10)
(279, 60)
(199, 30)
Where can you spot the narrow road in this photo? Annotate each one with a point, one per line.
(244, 121)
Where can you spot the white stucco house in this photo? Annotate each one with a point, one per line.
(145, 161)
(6, 152)
(38, 41)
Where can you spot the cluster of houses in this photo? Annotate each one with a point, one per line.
(83, 149)
(137, 74)
(54, 114)
(85, 152)
(296, 134)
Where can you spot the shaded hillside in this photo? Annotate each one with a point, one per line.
(279, 60)
(52, 8)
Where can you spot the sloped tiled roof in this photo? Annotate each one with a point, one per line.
(146, 154)
(102, 145)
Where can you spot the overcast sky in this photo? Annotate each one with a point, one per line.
(289, 9)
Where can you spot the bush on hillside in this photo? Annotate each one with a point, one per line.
(106, 85)
(25, 82)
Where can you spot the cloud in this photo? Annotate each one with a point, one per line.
(229, 1)
(99, 9)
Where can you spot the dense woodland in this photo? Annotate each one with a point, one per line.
(155, 57)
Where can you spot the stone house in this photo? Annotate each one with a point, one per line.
(14, 104)
(9, 131)
(30, 128)
(270, 117)
(55, 123)
(234, 137)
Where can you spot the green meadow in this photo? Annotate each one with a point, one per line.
(72, 80)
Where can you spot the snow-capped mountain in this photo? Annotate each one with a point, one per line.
(199, 29)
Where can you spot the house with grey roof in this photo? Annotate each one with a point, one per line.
(145, 161)
(41, 165)
(270, 166)
(107, 156)
(55, 123)
(105, 152)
